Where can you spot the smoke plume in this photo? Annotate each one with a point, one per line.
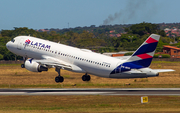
(134, 11)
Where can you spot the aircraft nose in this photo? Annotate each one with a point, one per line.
(8, 44)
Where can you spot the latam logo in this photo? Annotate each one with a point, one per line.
(27, 41)
(38, 44)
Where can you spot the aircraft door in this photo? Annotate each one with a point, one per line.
(20, 43)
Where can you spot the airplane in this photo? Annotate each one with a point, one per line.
(40, 55)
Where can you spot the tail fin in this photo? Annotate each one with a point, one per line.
(144, 54)
(142, 57)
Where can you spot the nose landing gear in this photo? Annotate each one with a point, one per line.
(59, 78)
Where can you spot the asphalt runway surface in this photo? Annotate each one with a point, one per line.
(93, 91)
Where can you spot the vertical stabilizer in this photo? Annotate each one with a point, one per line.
(144, 54)
(142, 57)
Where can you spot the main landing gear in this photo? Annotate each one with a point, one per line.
(59, 78)
(86, 77)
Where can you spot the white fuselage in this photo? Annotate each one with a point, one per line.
(90, 62)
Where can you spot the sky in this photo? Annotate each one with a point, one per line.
(42, 14)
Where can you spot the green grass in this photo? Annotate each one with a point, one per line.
(10, 64)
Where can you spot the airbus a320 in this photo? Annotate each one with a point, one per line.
(40, 55)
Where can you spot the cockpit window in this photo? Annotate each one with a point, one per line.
(13, 40)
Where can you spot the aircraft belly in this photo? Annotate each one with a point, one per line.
(127, 75)
(97, 71)
(100, 74)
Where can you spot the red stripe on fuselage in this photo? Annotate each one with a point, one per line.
(151, 40)
(144, 56)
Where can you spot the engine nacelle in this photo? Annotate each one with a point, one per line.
(34, 66)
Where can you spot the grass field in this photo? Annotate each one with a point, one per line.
(90, 104)
(12, 76)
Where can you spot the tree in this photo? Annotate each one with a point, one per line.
(162, 33)
(1, 57)
(9, 56)
(143, 28)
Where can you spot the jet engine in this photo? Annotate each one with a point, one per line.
(33, 66)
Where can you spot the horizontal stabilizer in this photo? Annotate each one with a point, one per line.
(163, 70)
(122, 57)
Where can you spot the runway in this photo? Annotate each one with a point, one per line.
(93, 91)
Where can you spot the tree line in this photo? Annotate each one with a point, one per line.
(99, 42)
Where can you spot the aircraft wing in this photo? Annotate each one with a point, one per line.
(53, 62)
(163, 70)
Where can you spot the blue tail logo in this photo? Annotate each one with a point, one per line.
(142, 57)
